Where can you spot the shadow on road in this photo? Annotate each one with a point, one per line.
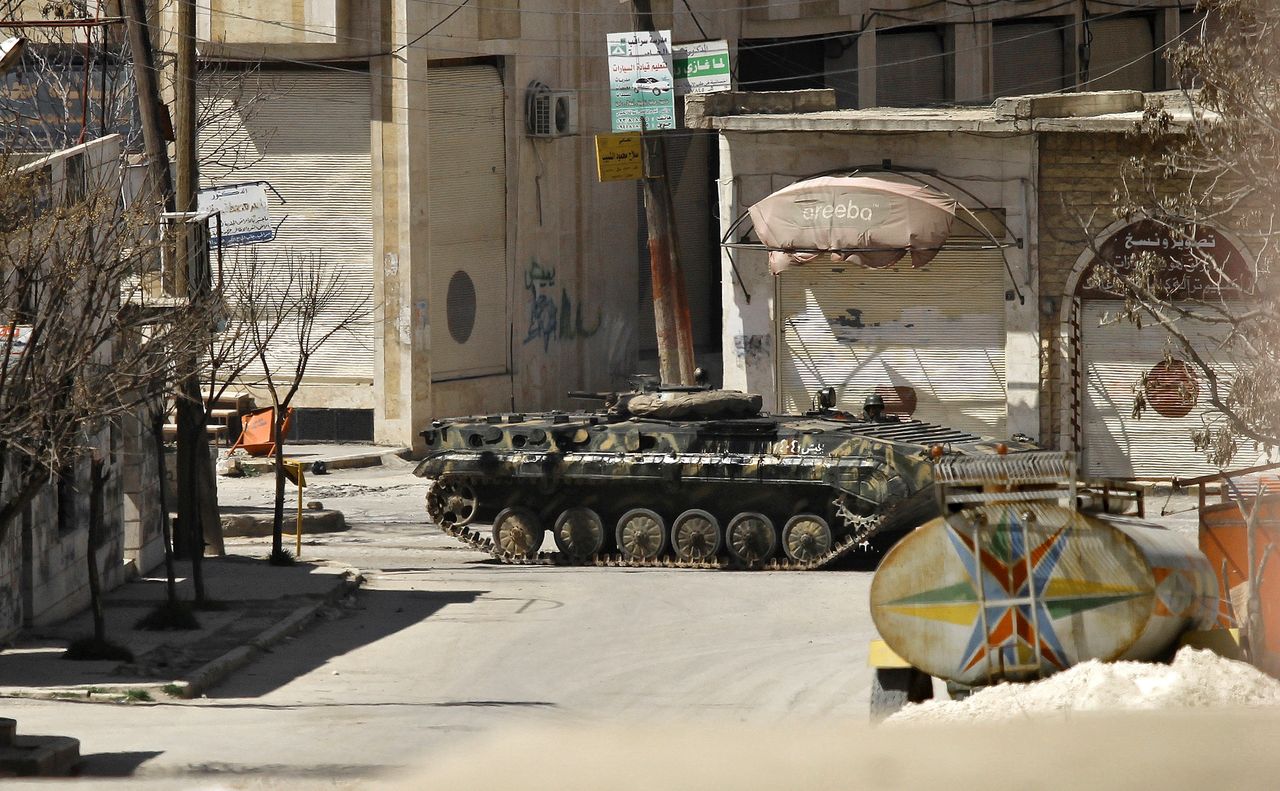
(113, 764)
(375, 615)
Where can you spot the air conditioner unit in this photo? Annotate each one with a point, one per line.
(550, 113)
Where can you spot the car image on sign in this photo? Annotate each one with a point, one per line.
(650, 84)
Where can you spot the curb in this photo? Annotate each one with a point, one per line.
(213, 671)
(208, 674)
(354, 462)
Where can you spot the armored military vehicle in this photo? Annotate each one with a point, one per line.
(686, 477)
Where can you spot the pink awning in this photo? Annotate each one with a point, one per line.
(870, 221)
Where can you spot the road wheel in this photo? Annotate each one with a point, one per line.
(695, 536)
(642, 534)
(451, 504)
(657, 91)
(894, 687)
(806, 538)
(517, 532)
(751, 539)
(579, 533)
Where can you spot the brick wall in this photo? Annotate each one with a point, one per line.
(1079, 174)
(1079, 178)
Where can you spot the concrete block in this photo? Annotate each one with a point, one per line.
(767, 102)
(259, 523)
(35, 756)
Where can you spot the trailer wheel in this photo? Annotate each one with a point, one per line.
(895, 687)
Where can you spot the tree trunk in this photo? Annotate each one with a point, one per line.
(191, 445)
(157, 436)
(206, 483)
(97, 481)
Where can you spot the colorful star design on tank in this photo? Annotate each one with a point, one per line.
(1021, 595)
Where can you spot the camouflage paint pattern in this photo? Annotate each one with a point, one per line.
(828, 464)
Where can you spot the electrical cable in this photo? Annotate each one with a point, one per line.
(907, 22)
(945, 53)
(310, 64)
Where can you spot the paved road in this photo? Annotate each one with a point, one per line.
(442, 645)
(442, 654)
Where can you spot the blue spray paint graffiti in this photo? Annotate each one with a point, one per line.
(549, 318)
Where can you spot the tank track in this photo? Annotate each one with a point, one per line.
(866, 527)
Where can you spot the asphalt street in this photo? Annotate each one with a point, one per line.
(449, 666)
(442, 646)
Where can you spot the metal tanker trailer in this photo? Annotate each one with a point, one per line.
(1017, 582)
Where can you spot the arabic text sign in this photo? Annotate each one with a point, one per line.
(640, 83)
(245, 216)
(1194, 262)
(16, 337)
(618, 157)
(701, 67)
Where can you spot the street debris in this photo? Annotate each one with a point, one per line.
(1195, 679)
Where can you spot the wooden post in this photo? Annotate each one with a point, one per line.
(150, 108)
(670, 301)
(186, 171)
(197, 498)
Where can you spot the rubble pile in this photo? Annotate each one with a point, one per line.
(1195, 679)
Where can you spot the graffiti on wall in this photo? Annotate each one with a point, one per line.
(755, 349)
(551, 317)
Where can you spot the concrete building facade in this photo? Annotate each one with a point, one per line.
(44, 554)
(1046, 167)
(501, 272)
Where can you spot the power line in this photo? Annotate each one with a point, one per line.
(886, 13)
(823, 73)
(313, 65)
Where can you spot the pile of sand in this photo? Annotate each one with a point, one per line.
(1195, 679)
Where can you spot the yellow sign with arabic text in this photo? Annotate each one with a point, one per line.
(619, 157)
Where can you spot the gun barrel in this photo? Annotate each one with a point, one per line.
(589, 396)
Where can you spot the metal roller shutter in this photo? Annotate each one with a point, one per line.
(469, 312)
(1027, 57)
(1122, 54)
(310, 140)
(910, 68)
(1115, 355)
(938, 331)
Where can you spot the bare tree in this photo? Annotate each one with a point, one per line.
(83, 345)
(1216, 167)
(72, 85)
(288, 311)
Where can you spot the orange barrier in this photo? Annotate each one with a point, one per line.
(257, 431)
(1223, 539)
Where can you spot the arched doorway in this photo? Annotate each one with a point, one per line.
(1112, 364)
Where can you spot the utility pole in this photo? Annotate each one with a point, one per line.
(670, 301)
(150, 108)
(197, 499)
(184, 100)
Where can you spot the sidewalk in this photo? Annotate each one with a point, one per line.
(262, 604)
(336, 456)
